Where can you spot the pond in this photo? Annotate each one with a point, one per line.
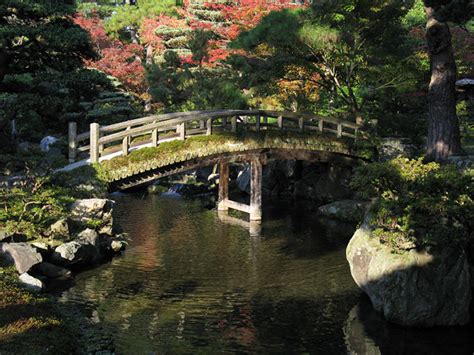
(189, 282)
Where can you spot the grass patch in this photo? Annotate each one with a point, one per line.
(30, 323)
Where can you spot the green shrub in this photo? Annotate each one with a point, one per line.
(417, 204)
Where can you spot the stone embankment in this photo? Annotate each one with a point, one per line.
(89, 237)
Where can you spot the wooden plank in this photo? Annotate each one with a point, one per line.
(94, 142)
(237, 206)
(72, 144)
(330, 130)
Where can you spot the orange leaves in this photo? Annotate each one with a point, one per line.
(299, 82)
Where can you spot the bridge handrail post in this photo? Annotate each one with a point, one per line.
(94, 142)
(257, 122)
(339, 130)
(208, 127)
(301, 124)
(181, 130)
(280, 122)
(126, 143)
(233, 123)
(154, 136)
(321, 125)
(72, 144)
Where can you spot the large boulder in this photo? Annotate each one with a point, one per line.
(92, 209)
(346, 210)
(412, 288)
(23, 255)
(80, 252)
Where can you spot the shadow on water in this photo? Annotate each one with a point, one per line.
(366, 332)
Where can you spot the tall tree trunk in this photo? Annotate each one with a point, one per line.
(443, 125)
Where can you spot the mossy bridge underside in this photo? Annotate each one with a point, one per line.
(169, 158)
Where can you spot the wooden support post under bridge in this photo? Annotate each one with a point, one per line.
(223, 186)
(256, 190)
(255, 207)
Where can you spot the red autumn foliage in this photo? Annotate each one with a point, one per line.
(123, 61)
(95, 26)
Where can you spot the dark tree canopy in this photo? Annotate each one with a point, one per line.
(37, 35)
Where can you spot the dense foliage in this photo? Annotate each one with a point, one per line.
(39, 35)
(418, 204)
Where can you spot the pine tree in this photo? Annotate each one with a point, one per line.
(443, 126)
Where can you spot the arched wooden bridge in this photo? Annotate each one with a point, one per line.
(138, 151)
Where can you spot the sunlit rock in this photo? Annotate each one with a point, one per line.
(412, 288)
(23, 255)
(93, 209)
(31, 282)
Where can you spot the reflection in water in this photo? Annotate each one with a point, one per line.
(190, 282)
(367, 333)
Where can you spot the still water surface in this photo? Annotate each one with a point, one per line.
(190, 283)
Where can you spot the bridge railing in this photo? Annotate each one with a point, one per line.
(119, 138)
